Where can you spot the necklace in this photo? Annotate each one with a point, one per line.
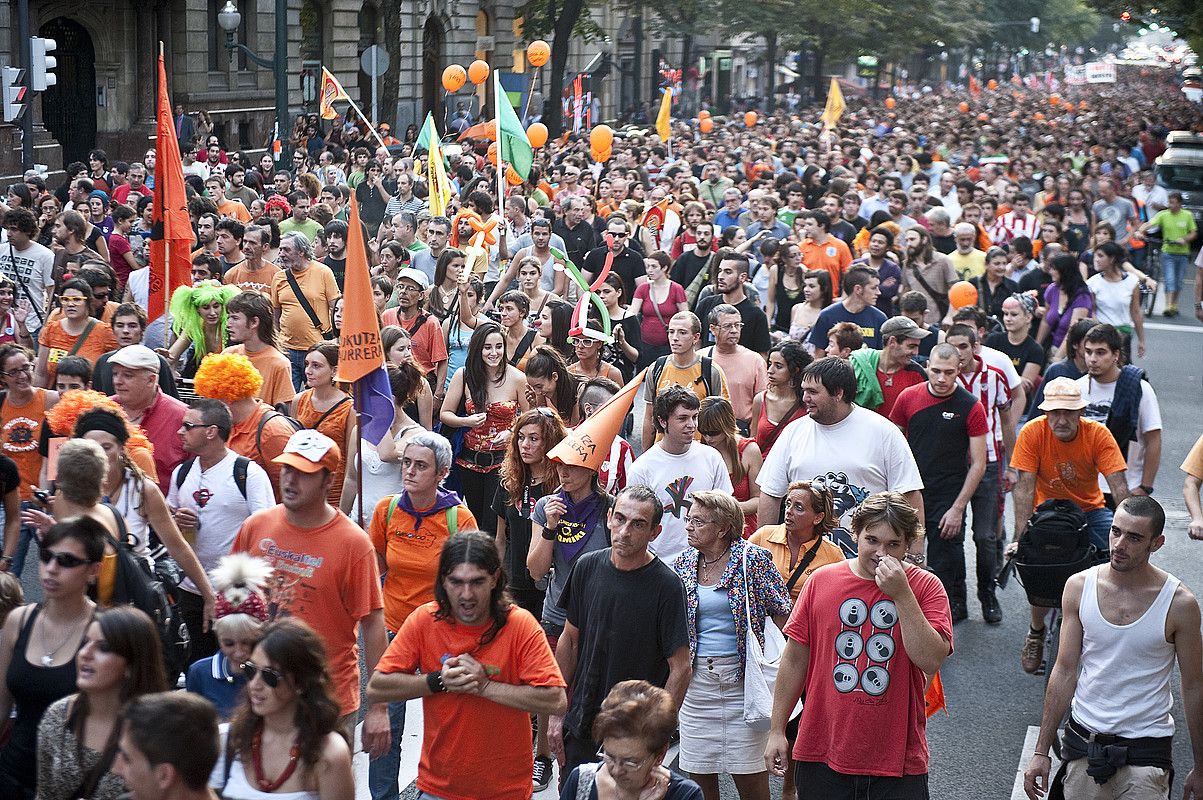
(707, 564)
(257, 760)
(48, 658)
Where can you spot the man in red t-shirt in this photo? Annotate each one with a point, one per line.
(862, 639)
(482, 666)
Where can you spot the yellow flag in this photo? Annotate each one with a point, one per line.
(331, 90)
(835, 105)
(664, 118)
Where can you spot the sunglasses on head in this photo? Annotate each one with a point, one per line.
(64, 560)
(270, 676)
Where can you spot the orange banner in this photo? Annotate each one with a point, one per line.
(171, 230)
(359, 348)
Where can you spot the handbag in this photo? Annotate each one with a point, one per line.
(760, 664)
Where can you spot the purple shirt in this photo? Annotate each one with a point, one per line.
(1059, 322)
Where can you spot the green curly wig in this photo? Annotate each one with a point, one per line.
(185, 304)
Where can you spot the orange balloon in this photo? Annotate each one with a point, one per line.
(1039, 115)
(703, 114)
(1082, 106)
(891, 102)
(478, 72)
(706, 125)
(1068, 106)
(1054, 99)
(512, 177)
(750, 119)
(964, 107)
(536, 134)
(601, 138)
(991, 84)
(454, 77)
(492, 153)
(601, 155)
(983, 117)
(537, 53)
(961, 294)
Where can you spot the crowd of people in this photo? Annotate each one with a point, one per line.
(826, 356)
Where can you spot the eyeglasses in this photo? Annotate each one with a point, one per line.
(270, 676)
(12, 373)
(71, 301)
(625, 764)
(697, 522)
(64, 560)
(730, 326)
(582, 340)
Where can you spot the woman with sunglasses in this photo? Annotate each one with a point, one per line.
(485, 396)
(285, 738)
(717, 427)
(635, 726)
(74, 333)
(120, 659)
(39, 643)
(587, 346)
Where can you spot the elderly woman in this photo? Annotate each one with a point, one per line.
(634, 726)
(728, 584)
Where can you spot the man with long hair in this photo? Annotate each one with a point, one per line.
(472, 644)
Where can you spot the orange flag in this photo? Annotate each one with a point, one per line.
(975, 88)
(933, 698)
(360, 352)
(171, 229)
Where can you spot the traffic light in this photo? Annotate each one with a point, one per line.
(41, 66)
(14, 93)
(1125, 16)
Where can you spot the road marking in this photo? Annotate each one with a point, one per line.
(1025, 756)
(1165, 326)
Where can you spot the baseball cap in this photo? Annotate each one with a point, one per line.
(903, 326)
(308, 451)
(1062, 394)
(415, 275)
(136, 356)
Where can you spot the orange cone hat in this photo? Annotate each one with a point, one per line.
(588, 444)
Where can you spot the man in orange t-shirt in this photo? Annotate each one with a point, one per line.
(1059, 457)
(325, 572)
(485, 668)
(821, 250)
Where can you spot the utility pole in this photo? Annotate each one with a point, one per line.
(24, 56)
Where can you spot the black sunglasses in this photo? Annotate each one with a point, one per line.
(64, 560)
(269, 675)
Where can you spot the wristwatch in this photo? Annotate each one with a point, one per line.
(1146, 489)
(916, 558)
(435, 681)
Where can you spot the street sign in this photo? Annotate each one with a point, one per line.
(374, 61)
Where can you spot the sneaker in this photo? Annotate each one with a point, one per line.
(991, 610)
(1171, 311)
(960, 611)
(541, 776)
(1032, 654)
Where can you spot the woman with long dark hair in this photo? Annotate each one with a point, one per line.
(782, 399)
(817, 295)
(484, 396)
(1067, 299)
(554, 322)
(741, 454)
(39, 643)
(550, 383)
(285, 737)
(445, 291)
(119, 659)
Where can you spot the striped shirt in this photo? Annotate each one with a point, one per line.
(989, 385)
(1011, 225)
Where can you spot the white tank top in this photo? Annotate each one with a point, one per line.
(1124, 683)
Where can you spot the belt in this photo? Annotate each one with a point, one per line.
(480, 459)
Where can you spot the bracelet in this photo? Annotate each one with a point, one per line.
(1042, 755)
(549, 534)
(434, 680)
(1146, 489)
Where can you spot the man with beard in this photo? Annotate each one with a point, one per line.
(251, 330)
(730, 277)
(553, 278)
(253, 274)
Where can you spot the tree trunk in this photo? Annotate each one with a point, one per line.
(390, 87)
(770, 57)
(553, 115)
(637, 77)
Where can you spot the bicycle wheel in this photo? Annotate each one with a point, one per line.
(1148, 295)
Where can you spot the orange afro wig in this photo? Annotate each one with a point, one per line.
(227, 377)
(72, 404)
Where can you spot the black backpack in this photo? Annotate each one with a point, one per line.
(156, 592)
(1055, 545)
(241, 465)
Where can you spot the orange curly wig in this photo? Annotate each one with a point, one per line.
(227, 377)
(75, 402)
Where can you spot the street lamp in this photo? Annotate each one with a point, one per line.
(229, 19)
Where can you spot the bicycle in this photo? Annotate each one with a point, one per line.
(1148, 288)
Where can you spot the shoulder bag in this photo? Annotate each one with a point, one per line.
(760, 663)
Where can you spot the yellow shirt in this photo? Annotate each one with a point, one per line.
(773, 539)
(691, 378)
(968, 266)
(297, 331)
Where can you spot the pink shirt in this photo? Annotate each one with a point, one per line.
(161, 424)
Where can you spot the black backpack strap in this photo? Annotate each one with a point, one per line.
(182, 474)
(707, 374)
(329, 411)
(303, 300)
(802, 565)
(241, 465)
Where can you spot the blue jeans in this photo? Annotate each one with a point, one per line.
(297, 359)
(383, 771)
(28, 534)
(1099, 522)
(1174, 267)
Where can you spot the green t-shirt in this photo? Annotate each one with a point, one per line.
(1173, 227)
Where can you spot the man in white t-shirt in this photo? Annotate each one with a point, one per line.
(30, 264)
(1121, 399)
(677, 466)
(851, 450)
(211, 494)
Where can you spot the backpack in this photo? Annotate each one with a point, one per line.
(241, 464)
(156, 592)
(1055, 546)
(451, 511)
(295, 423)
(706, 378)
